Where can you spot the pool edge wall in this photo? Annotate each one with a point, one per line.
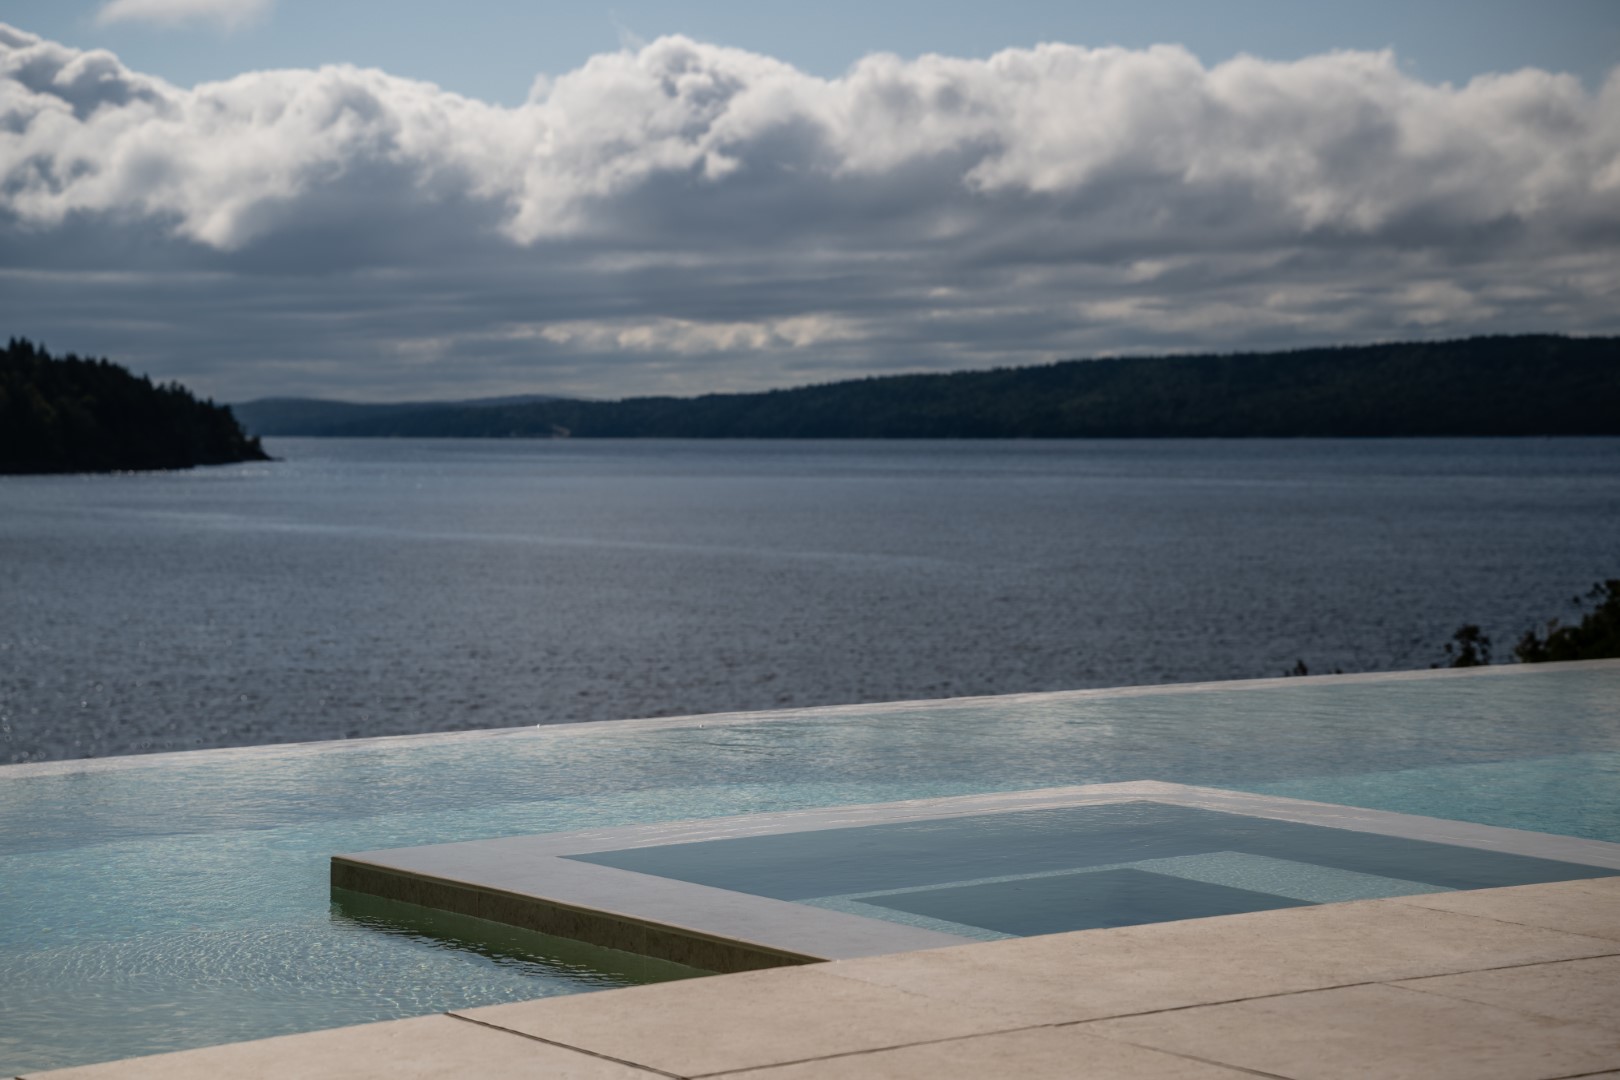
(607, 929)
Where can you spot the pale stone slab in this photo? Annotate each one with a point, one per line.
(1585, 991)
(1035, 1054)
(1354, 1032)
(1590, 906)
(744, 1021)
(425, 1048)
(1089, 974)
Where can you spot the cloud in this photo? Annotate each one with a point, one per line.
(227, 13)
(686, 337)
(683, 217)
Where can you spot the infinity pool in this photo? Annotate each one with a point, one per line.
(158, 903)
(1052, 870)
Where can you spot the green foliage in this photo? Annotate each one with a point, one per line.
(74, 415)
(1595, 637)
(1529, 385)
(1301, 668)
(1468, 647)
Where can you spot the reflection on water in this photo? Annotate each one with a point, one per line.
(522, 952)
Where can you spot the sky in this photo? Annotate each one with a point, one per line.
(410, 200)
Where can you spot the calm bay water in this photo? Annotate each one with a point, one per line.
(380, 587)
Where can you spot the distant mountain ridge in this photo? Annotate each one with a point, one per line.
(313, 416)
(1523, 385)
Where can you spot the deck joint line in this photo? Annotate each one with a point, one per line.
(565, 1046)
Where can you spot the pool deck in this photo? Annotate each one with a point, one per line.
(1494, 984)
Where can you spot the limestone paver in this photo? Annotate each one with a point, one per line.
(1354, 1032)
(1091, 974)
(1390, 988)
(1590, 906)
(1038, 1054)
(741, 1021)
(425, 1048)
(1586, 991)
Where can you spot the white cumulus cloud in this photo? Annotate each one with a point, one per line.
(721, 206)
(228, 13)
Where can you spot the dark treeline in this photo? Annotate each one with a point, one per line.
(305, 416)
(1595, 637)
(1529, 385)
(67, 414)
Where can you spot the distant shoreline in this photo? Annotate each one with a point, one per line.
(1541, 385)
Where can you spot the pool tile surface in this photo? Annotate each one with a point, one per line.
(1286, 877)
(1082, 901)
(1354, 1032)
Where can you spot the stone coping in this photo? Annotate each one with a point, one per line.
(1518, 983)
(532, 881)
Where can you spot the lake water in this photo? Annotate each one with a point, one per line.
(390, 586)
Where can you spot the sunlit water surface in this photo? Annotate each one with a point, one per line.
(388, 586)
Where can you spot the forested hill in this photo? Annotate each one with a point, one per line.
(300, 416)
(72, 415)
(1543, 385)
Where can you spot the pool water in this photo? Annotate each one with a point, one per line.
(1079, 868)
(181, 900)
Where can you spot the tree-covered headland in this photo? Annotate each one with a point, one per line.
(69, 414)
